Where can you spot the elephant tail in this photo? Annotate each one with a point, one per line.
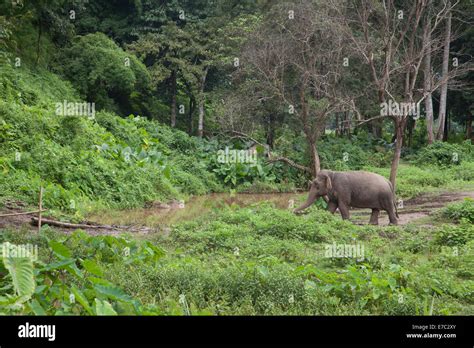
(394, 200)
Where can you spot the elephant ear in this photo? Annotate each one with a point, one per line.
(328, 181)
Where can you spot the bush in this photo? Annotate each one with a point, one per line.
(450, 235)
(444, 154)
(353, 154)
(460, 211)
(66, 273)
(464, 172)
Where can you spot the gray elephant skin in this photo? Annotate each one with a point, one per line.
(356, 189)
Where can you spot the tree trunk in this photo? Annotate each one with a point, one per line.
(469, 127)
(201, 119)
(271, 130)
(377, 128)
(444, 86)
(315, 163)
(348, 124)
(399, 130)
(411, 127)
(447, 127)
(38, 42)
(190, 116)
(377, 125)
(173, 98)
(201, 103)
(427, 84)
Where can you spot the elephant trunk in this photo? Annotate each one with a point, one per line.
(311, 198)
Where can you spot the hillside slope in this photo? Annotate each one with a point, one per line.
(83, 160)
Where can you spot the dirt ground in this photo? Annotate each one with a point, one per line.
(413, 209)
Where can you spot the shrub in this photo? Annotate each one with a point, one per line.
(455, 235)
(461, 210)
(340, 153)
(444, 154)
(465, 171)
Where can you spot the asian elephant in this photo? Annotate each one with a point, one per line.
(356, 189)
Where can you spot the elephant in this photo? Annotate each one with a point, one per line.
(358, 189)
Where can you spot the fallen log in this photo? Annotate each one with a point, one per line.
(56, 223)
(87, 225)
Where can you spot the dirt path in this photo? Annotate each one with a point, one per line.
(415, 208)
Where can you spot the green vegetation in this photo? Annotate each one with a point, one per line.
(128, 105)
(415, 180)
(460, 211)
(101, 71)
(106, 161)
(444, 154)
(255, 260)
(117, 162)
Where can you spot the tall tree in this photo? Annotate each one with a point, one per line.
(444, 76)
(298, 56)
(164, 53)
(389, 37)
(427, 79)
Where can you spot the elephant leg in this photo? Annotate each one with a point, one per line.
(344, 209)
(332, 207)
(389, 207)
(374, 218)
(391, 216)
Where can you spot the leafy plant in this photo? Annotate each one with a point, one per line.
(460, 211)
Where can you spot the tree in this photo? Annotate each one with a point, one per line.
(444, 76)
(201, 55)
(427, 79)
(101, 71)
(164, 55)
(393, 41)
(298, 56)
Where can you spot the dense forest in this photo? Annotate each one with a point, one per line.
(153, 153)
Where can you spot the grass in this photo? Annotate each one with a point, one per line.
(260, 260)
(413, 181)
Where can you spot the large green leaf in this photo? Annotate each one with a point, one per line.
(37, 308)
(92, 267)
(79, 296)
(104, 308)
(22, 272)
(60, 249)
(113, 293)
(67, 264)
